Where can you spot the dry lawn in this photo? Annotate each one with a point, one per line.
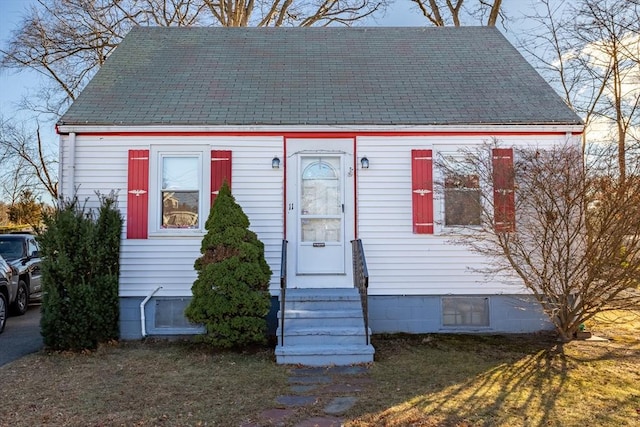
(426, 380)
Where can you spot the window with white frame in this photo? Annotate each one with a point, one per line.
(465, 311)
(462, 194)
(179, 191)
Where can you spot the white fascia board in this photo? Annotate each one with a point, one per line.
(544, 128)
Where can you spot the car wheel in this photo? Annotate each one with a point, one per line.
(3, 311)
(21, 303)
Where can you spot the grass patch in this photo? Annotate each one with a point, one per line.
(418, 380)
(503, 381)
(142, 384)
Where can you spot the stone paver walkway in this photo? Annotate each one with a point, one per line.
(323, 392)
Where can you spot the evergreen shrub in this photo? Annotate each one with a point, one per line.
(80, 268)
(230, 295)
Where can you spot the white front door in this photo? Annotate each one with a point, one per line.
(320, 212)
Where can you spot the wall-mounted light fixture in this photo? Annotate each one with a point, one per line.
(275, 163)
(364, 162)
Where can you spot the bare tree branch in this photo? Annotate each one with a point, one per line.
(590, 49)
(26, 166)
(449, 12)
(576, 244)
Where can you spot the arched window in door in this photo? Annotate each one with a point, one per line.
(321, 199)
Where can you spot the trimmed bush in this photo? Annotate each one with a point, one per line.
(106, 261)
(230, 295)
(80, 269)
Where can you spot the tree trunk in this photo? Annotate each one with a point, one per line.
(495, 12)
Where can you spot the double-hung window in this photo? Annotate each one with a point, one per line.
(462, 195)
(180, 191)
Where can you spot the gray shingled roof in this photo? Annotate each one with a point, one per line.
(317, 76)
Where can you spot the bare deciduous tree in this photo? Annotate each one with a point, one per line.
(302, 13)
(576, 242)
(26, 165)
(590, 50)
(443, 13)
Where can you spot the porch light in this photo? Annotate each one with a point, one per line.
(275, 163)
(364, 162)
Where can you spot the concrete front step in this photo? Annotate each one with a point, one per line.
(325, 355)
(322, 293)
(323, 317)
(323, 327)
(311, 313)
(317, 299)
(324, 335)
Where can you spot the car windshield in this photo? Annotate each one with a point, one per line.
(11, 249)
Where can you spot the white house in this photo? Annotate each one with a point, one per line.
(326, 135)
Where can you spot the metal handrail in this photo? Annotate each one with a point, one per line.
(283, 287)
(361, 280)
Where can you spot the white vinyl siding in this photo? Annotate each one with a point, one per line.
(101, 165)
(399, 261)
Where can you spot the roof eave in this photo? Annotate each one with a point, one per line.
(574, 128)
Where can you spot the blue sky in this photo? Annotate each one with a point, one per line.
(11, 85)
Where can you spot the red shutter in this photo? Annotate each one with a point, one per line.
(220, 171)
(422, 188)
(503, 190)
(138, 195)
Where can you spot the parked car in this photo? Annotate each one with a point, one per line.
(6, 291)
(21, 251)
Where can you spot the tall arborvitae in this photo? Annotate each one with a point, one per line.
(107, 234)
(230, 295)
(80, 276)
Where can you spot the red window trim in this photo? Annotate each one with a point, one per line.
(138, 194)
(503, 190)
(220, 171)
(422, 191)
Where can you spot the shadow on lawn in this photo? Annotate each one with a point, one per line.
(461, 380)
(530, 385)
